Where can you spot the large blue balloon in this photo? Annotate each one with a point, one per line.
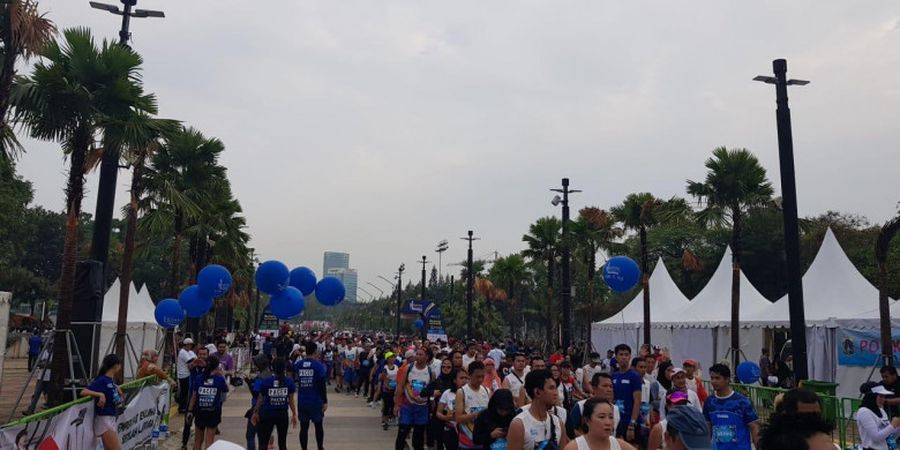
(748, 372)
(168, 313)
(304, 279)
(272, 277)
(330, 291)
(621, 273)
(214, 280)
(420, 323)
(287, 304)
(194, 302)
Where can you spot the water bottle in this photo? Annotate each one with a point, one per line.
(163, 431)
(154, 439)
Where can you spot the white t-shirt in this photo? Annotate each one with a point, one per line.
(181, 367)
(538, 432)
(417, 379)
(497, 355)
(466, 360)
(589, 373)
(435, 366)
(449, 398)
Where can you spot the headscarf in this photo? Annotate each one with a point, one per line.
(492, 380)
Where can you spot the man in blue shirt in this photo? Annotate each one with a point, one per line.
(312, 395)
(627, 392)
(34, 348)
(734, 423)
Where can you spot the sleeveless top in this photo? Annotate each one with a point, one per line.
(537, 433)
(515, 383)
(583, 445)
(474, 402)
(390, 376)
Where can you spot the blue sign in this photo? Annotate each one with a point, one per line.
(863, 348)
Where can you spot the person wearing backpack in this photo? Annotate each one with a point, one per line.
(410, 406)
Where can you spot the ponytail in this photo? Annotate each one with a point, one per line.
(278, 368)
(212, 363)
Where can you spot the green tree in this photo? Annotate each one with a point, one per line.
(75, 85)
(510, 273)
(735, 182)
(594, 230)
(543, 240)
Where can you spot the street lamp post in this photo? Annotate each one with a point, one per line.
(441, 248)
(789, 209)
(424, 262)
(399, 299)
(376, 287)
(566, 289)
(470, 284)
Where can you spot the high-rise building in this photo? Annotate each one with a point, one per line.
(335, 260)
(349, 278)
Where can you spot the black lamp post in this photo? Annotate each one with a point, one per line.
(565, 292)
(470, 284)
(441, 248)
(399, 299)
(789, 207)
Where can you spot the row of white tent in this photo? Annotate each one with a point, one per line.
(835, 295)
(141, 327)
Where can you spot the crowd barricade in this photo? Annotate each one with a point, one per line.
(144, 418)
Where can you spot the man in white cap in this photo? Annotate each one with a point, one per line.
(185, 356)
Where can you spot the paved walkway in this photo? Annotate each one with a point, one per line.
(349, 424)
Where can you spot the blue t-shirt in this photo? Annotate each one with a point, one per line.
(309, 371)
(210, 392)
(729, 418)
(276, 392)
(34, 345)
(267, 348)
(624, 387)
(107, 386)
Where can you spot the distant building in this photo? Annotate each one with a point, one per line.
(350, 279)
(335, 260)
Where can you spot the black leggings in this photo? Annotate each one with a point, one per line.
(304, 434)
(186, 433)
(418, 437)
(269, 422)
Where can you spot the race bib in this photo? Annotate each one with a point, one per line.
(499, 444)
(392, 384)
(724, 434)
(417, 386)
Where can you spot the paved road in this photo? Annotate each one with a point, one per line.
(349, 424)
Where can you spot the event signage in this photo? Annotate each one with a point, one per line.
(430, 314)
(74, 427)
(863, 348)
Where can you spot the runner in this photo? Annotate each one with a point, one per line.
(409, 405)
(627, 392)
(537, 363)
(312, 396)
(471, 354)
(197, 367)
(599, 431)
(674, 400)
(594, 366)
(470, 401)
(492, 424)
(106, 395)
(516, 377)
(602, 388)
(735, 425)
(185, 356)
(537, 429)
(208, 394)
(492, 380)
(388, 389)
(271, 408)
(446, 409)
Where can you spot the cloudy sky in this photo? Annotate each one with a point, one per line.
(381, 127)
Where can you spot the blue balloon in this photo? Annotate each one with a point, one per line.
(621, 273)
(287, 304)
(272, 277)
(194, 302)
(304, 278)
(420, 323)
(330, 291)
(214, 280)
(168, 313)
(748, 372)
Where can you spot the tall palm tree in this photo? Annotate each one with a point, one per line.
(185, 173)
(641, 212)
(594, 230)
(543, 241)
(735, 181)
(888, 231)
(75, 86)
(24, 33)
(510, 272)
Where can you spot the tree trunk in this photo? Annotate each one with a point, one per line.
(74, 195)
(8, 71)
(735, 287)
(128, 254)
(550, 268)
(174, 276)
(645, 283)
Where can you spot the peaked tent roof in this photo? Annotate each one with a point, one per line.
(666, 301)
(712, 306)
(140, 307)
(832, 289)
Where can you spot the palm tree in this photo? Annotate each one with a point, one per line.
(641, 212)
(888, 231)
(543, 241)
(735, 181)
(69, 92)
(24, 33)
(594, 230)
(184, 175)
(510, 272)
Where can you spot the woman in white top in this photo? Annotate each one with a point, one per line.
(599, 431)
(875, 429)
(446, 409)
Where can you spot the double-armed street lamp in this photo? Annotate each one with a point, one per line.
(566, 289)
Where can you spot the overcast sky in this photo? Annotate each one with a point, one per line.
(381, 127)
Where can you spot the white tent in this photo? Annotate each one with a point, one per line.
(712, 306)
(142, 330)
(666, 301)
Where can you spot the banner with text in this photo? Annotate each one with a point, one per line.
(74, 427)
(863, 348)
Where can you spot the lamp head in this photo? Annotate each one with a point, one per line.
(556, 200)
